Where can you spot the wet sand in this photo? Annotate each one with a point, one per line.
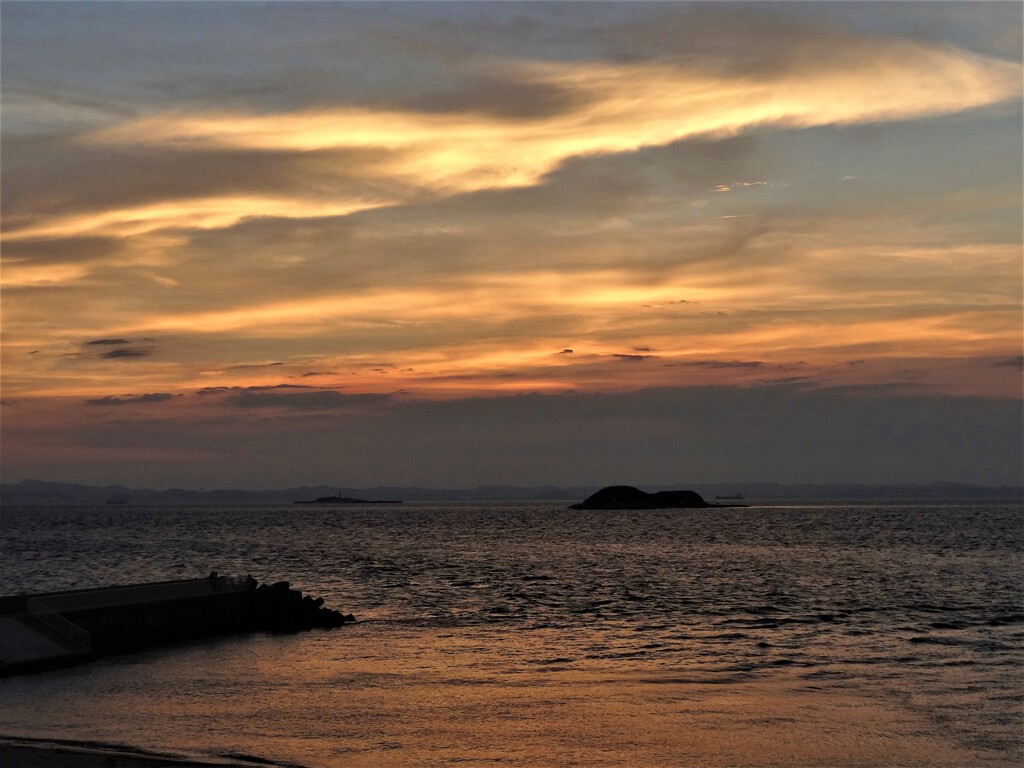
(398, 696)
(28, 753)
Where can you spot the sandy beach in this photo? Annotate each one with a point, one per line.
(29, 753)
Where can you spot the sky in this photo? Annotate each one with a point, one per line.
(448, 244)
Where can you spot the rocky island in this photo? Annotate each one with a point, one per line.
(628, 497)
(345, 500)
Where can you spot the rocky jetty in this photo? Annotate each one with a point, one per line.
(278, 607)
(628, 497)
(55, 629)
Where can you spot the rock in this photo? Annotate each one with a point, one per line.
(282, 609)
(628, 497)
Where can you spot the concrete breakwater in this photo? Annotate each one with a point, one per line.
(64, 628)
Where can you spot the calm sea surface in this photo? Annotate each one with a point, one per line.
(533, 635)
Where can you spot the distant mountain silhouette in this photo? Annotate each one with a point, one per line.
(628, 497)
(45, 493)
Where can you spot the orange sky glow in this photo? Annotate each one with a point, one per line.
(828, 207)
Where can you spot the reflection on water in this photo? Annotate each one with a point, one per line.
(534, 635)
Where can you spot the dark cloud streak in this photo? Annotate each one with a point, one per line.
(107, 341)
(154, 397)
(126, 353)
(318, 400)
(719, 364)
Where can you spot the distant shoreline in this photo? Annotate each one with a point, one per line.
(45, 493)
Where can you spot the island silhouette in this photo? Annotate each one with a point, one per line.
(345, 500)
(628, 497)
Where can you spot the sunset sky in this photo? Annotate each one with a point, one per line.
(447, 244)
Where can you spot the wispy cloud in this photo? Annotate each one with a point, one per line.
(607, 109)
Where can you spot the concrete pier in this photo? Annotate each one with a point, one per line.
(57, 629)
(27, 647)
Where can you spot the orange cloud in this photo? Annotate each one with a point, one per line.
(877, 293)
(202, 213)
(620, 108)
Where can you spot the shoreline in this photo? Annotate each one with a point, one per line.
(25, 752)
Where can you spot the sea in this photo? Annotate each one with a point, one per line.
(528, 634)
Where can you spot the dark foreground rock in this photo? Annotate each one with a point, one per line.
(628, 497)
(278, 607)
